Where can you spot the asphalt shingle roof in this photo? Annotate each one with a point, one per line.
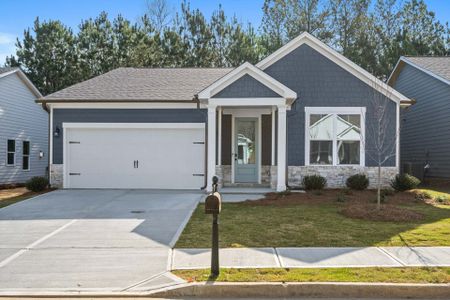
(439, 65)
(6, 69)
(142, 84)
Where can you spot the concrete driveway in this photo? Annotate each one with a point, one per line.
(91, 240)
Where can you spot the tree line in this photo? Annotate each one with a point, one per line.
(372, 33)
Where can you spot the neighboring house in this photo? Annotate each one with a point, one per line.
(23, 129)
(302, 110)
(425, 127)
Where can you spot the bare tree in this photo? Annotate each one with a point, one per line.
(159, 13)
(381, 132)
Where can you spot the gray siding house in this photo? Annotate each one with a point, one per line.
(425, 127)
(23, 129)
(305, 109)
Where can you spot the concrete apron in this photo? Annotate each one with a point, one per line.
(306, 289)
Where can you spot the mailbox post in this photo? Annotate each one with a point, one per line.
(213, 205)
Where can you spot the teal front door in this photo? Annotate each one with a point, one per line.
(245, 152)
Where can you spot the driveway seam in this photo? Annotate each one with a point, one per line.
(9, 259)
(277, 258)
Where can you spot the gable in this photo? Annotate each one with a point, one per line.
(246, 87)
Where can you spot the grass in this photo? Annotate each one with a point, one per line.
(315, 224)
(393, 275)
(11, 196)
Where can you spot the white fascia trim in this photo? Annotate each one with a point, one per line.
(336, 110)
(25, 79)
(339, 59)
(405, 59)
(135, 125)
(244, 69)
(134, 105)
(247, 101)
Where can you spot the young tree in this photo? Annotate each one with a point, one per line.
(159, 14)
(381, 133)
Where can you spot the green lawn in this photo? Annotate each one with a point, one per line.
(314, 224)
(393, 275)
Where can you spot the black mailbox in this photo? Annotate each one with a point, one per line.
(213, 203)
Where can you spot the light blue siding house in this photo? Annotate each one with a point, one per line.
(425, 126)
(23, 129)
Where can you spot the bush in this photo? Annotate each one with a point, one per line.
(357, 182)
(404, 182)
(314, 182)
(341, 197)
(37, 184)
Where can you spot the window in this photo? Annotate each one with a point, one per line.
(334, 136)
(26, 155)
(11, 153)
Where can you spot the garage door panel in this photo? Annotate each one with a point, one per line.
(104, 158)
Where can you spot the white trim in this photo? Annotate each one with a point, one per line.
(211, 161)
(15, 153)
(405, 59)
(259, 152)
(273, 136)
(25, 80)
(339, 59)
(397, 150)
(361, 111)
(233, 146)
(242, 112)
(247, 101)
(248, 69)
(50, 155)
(135, 125)
(123, 105)
(281, 154)
(219, 137)
(29, 155)
(65, 159)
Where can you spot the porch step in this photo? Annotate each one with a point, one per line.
(245, 191)
(246, 185)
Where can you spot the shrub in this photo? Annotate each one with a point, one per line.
(37, 184)
(341, 198)
(357, 182)
(314, 182)
(404, 182)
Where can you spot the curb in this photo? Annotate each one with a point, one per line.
(305, 289)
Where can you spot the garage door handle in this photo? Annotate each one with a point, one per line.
(137, 164)
(134, 164)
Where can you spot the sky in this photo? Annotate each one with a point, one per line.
(17, 15)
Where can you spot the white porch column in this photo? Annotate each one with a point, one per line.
(281, 153)
(219, 137)
(211, 162)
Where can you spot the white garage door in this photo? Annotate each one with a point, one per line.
(158, 156)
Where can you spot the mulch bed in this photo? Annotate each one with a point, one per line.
(387, 212)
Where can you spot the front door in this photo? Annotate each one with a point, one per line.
(245, 152)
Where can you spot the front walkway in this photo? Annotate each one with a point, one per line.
(314, 257)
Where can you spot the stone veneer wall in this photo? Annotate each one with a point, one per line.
(56, 175)
(337, 175)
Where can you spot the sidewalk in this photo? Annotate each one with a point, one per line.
(313, 257)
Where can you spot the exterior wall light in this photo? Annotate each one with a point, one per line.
(41, 154)
(56, 132)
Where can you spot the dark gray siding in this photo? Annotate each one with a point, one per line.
(119, 116)
(246, 87)
(320, 82)
(425, 127)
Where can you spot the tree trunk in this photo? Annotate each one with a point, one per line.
(379, 188)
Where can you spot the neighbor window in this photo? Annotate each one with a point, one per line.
(26, 155)
(334, 136)
(11, 153)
